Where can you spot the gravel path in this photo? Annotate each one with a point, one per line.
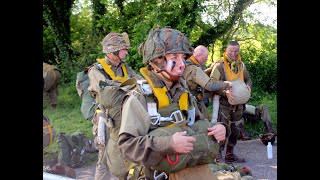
(254, 151)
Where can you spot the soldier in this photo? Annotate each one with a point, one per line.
(113, 70)
(198, 80)
(51, 77)
(254, 114)
(230, 67)
(170, 102)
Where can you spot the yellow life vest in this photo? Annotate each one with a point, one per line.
(162, 97)
(108, 70)
(231, 76)
(193, 59)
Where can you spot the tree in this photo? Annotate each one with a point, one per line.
(210, 23)
(56, 14)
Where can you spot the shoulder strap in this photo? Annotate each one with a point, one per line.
(160, 93)
(108, 70)
(48, 66)
(193, 59)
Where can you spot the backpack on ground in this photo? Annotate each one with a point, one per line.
(73, 148)
(88, 104)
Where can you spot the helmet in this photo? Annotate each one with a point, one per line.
(114, 42)
(267, 137)
(161, 41)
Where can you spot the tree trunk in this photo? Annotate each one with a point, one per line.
(56, 13)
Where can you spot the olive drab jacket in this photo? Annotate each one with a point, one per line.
(198, 81)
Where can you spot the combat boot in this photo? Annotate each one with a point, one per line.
(219, 158)
(244, 135)
(230, 157)
(268, 127)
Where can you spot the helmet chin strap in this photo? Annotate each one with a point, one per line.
(172, 78)
(117, 57)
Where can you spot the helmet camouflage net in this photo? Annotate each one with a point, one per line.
(114, 42)
(161, 41)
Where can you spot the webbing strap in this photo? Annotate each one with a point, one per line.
(49, 127)
(160, 93)
(108, 70)
(193, 59)
(52, 70)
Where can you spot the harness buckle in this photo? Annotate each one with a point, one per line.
(155, 119)
(159, 176)
(177, 117)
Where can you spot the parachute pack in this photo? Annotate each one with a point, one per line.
(73, 148)
(88, 104)
(110, 102)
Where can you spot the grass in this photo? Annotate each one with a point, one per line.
(67, 117)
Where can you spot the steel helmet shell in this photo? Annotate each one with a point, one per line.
(162, 41)
(115, 42)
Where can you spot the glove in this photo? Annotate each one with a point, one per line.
(101, 130)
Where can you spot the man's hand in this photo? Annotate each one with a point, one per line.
(218, 131)
(228, 84)
(182, 143)
(229, 95)
(249, 88)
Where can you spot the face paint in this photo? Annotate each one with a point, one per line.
(173, 67)
(173, 64)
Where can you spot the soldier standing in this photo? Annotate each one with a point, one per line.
(51, 77)
(198, 80)
(230, 67)
(113, 70)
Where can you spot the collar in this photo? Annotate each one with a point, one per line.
(230, 60)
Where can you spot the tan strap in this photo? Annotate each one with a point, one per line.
(51, 69)
(49, 127)
(108, 70)
(193, 59)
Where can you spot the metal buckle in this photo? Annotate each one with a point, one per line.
(157, 177)
(155, 119)
(177, 117)
(145, 88)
